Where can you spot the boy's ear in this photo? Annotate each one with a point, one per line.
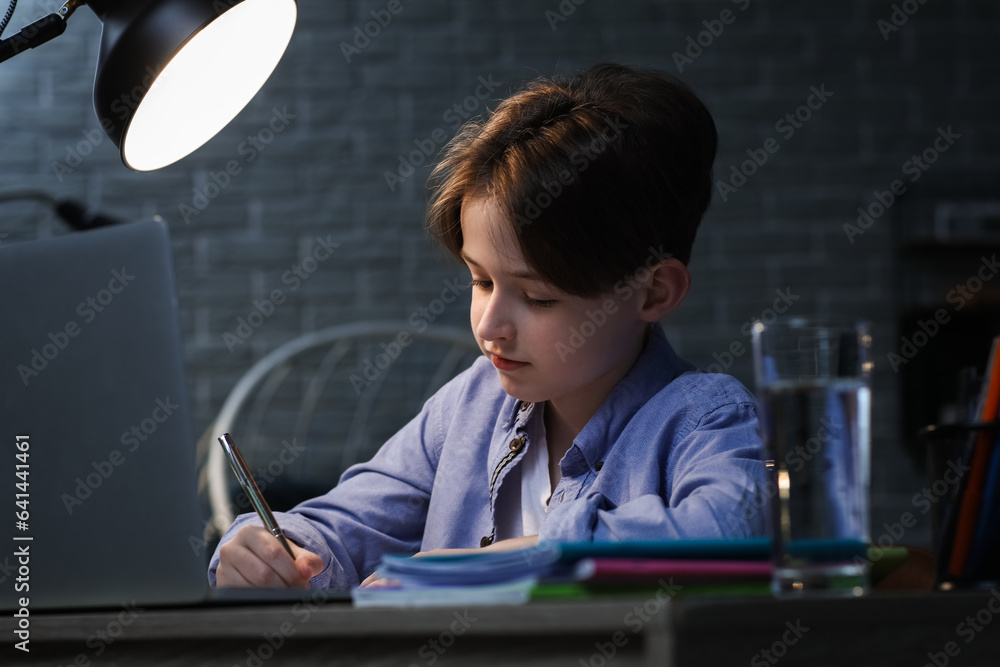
(666, 287)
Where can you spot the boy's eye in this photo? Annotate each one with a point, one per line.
(539, 303)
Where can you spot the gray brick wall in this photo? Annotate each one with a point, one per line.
(323, 174)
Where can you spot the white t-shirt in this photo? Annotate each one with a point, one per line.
(535, 484)
(523, 499)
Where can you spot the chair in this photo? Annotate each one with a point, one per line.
(328, 390)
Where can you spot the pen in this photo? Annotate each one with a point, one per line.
(253, 493)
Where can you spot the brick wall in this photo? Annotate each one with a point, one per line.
(776, 239)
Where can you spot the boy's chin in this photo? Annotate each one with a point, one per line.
(520, 390)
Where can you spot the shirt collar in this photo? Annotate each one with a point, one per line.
(516, 413)
(655, 368)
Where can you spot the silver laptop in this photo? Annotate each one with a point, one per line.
(97, 467)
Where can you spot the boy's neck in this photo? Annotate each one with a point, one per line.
(566, 416)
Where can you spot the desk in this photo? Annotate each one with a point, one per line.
(876, 630)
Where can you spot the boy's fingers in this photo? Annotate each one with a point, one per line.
(260, 561)
(308, 563)
(373, 581)
(378, 583)
(228, 577)
(255, 558)
(245, 568)
(274, 557)
(255, 564)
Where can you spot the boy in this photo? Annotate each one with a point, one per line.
(575, 206)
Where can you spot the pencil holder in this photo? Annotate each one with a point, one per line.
(963, 491)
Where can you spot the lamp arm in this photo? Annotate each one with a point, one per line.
(73, 213)
(32, 35)
(39, 32)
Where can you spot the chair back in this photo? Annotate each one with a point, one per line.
(322, 402)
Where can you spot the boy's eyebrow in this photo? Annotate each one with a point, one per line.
(527, 275)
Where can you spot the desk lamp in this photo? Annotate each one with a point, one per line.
(172, 73)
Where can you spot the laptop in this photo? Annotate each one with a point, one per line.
(97, 469)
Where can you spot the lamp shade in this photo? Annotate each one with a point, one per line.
(172, 73)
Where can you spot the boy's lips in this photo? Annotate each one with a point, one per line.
(505, 364)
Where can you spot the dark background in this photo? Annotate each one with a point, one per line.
(782, 232)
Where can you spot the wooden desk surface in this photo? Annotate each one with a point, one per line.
(956, 629)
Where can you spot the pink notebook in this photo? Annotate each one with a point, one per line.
(635, 569)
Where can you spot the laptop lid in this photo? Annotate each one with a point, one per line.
(97, 467)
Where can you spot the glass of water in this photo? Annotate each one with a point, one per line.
(813, 380)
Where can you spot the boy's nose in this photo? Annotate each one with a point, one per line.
(495, 322)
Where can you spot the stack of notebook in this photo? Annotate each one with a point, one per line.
(728, 567)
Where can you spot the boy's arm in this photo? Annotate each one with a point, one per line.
(378, 507)
(716, 485)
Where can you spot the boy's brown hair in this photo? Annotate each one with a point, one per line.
(592, 173)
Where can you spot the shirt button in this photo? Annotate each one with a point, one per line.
(485, 542)
(525, 405)
(517, 444)
(598, 466)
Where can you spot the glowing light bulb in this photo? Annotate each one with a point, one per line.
(208, 81)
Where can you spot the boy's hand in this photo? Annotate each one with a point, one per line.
(255, 559)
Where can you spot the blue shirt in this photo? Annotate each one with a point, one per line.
(671, 453)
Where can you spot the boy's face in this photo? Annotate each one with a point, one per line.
(526, 326)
